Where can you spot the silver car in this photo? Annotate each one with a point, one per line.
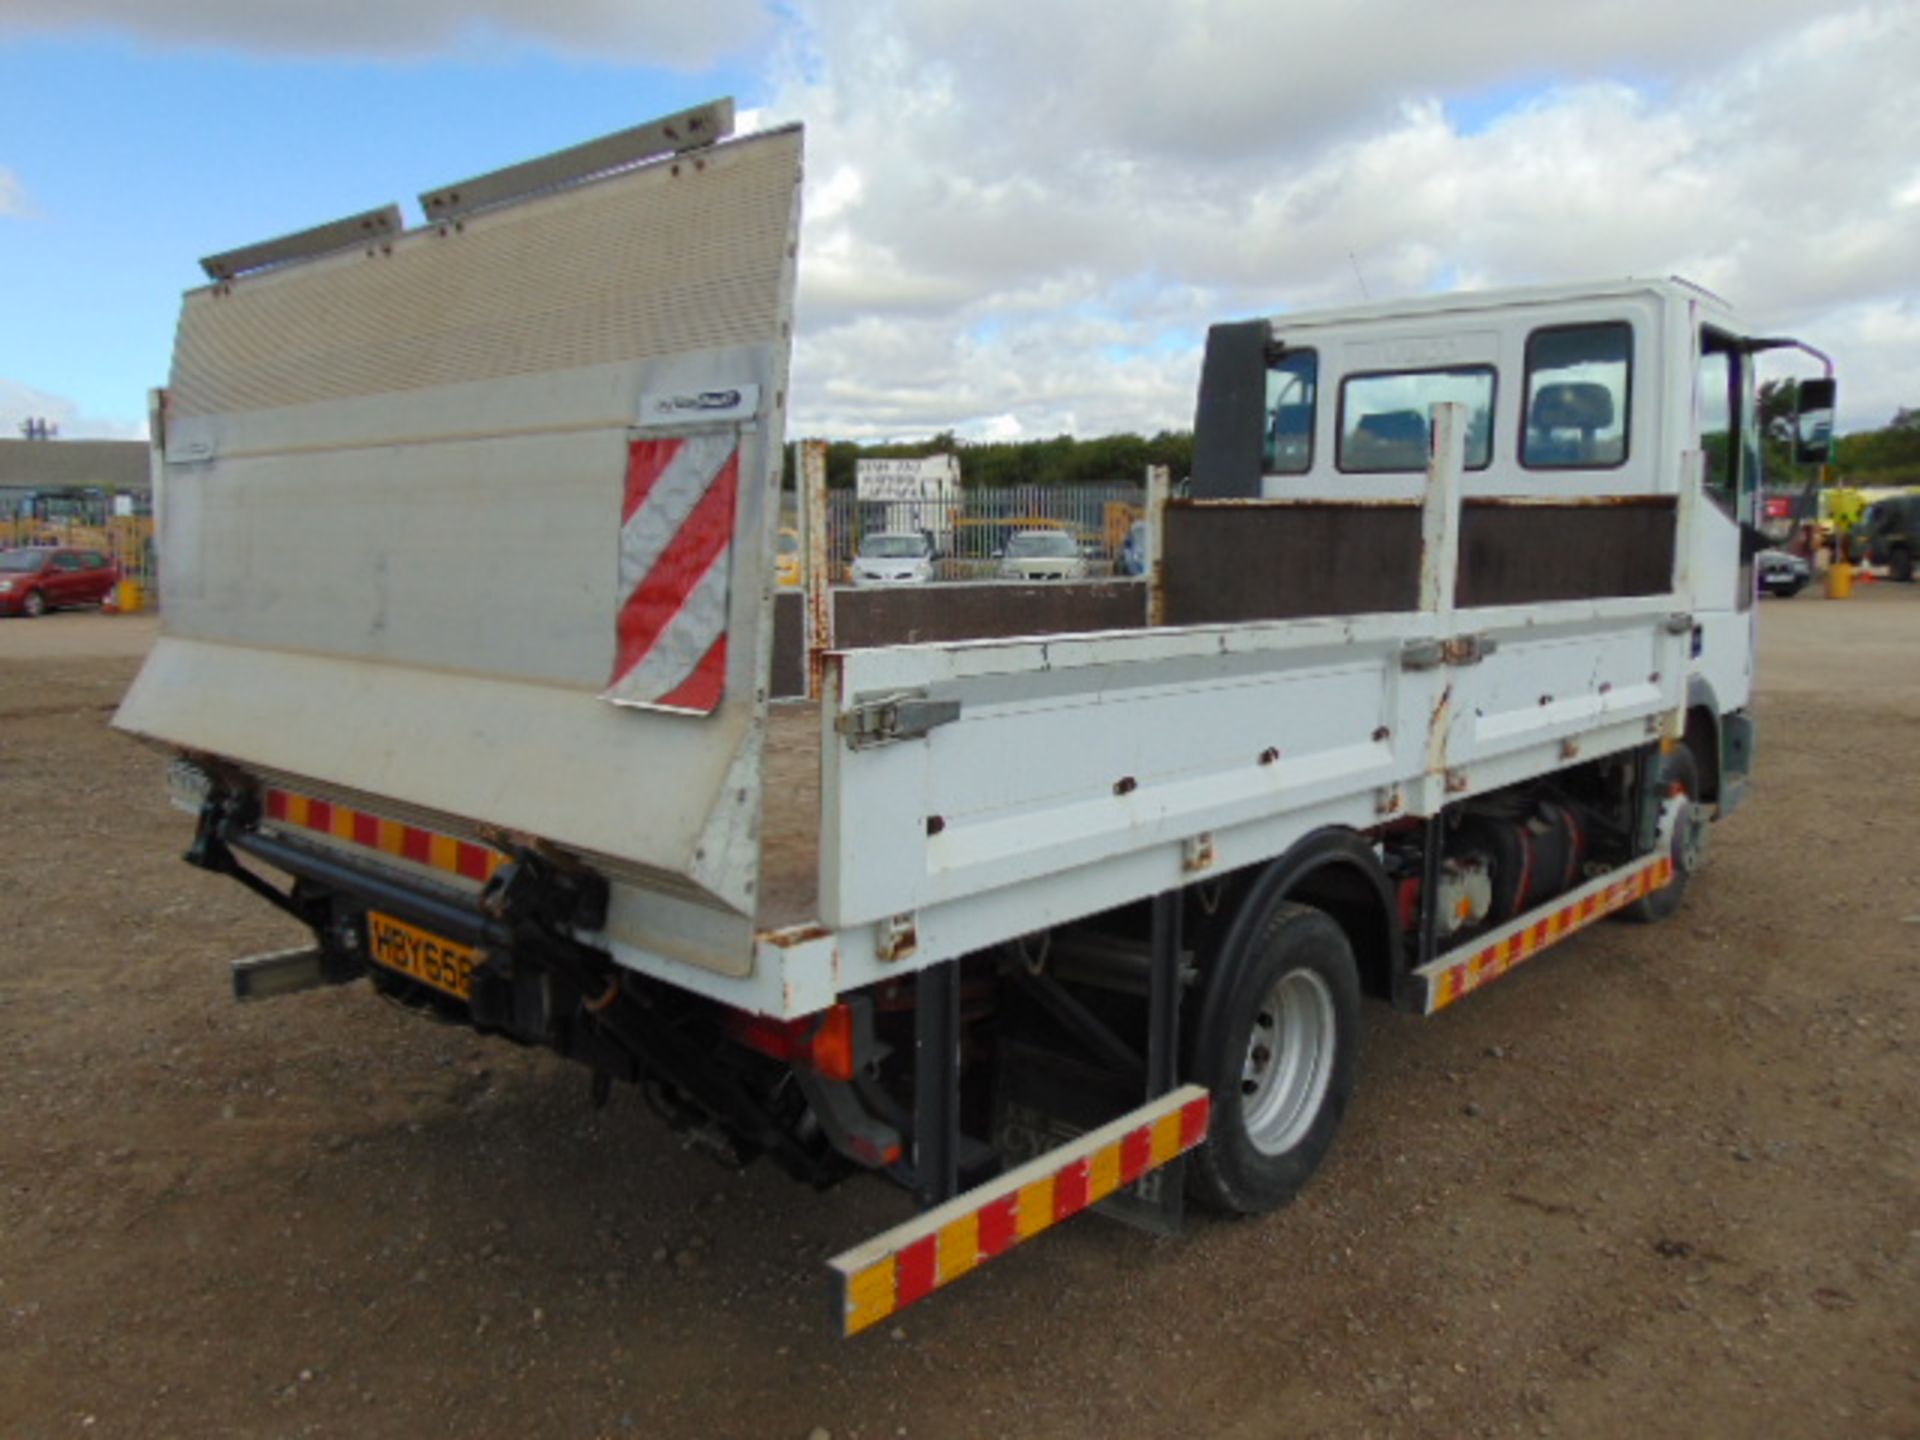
(894, 558)
(1042, 555)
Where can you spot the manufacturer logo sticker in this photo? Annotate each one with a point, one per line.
(693, 407)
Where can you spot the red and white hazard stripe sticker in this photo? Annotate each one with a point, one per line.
(676, 554)
(911, 1261)
(1481, 962)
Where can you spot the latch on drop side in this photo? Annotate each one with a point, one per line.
(1460, 650)
(902, 715)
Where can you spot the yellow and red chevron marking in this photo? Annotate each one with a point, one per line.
(676, 547)
(389, 837)
(1489, 963)
(911, 1261)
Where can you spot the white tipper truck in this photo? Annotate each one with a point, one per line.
(467, 651)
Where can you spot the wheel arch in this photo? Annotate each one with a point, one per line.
(1334, 870)
(1703, 734)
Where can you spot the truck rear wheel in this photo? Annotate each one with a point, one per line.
(1680, 785)
(1278, 1047)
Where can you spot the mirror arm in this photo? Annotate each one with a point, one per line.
(1786, 342)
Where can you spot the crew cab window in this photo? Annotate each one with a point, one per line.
(1713, 402)
(1383, 417)
(67, 562)
(1293, 382)
(1579, 384)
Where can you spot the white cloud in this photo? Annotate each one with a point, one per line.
(1022, 218)
(1878, 345)
(20, 402)
(1028, 216)
(682, 36)
(13, 195)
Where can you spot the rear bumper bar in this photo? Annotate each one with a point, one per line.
(444, 915)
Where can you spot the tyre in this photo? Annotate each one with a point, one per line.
(34, 606)
(1900, 566)
(1682, 811)
(1278, 1048)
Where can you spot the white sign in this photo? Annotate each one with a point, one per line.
(123, 505)
(933, 478)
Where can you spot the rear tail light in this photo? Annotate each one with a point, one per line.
(823, 1043)
(830, 1049)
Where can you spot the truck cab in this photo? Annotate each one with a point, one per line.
(1594, 413)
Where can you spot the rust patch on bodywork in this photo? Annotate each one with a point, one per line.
(792, 935)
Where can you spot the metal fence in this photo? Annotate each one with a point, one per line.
(969, 531)
(128, 539)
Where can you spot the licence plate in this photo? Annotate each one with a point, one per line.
(426, 957)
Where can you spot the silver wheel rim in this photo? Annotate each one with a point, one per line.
(1289, 1062)
(1689, 824)
(36, 603)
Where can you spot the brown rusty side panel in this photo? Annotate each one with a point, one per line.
(1231, 563)
(930, 614)
(1517, 554)
(789, 645)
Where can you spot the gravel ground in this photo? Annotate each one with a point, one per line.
(1662, 1181)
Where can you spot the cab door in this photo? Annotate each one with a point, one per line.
(1725, 430)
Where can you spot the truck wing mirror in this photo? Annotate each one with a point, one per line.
(1813, 422)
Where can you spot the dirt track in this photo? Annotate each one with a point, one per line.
(1661, 1181)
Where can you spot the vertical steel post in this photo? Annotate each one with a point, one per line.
(1159, 488)
(1163, 996)
(1439, 583)
(1156, 1202)
(1432, 851)
(815, 571)
(936, 1083)
(1440, 513)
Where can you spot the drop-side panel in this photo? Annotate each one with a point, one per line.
(479, 521)
(1076, 752)
(1560, 676)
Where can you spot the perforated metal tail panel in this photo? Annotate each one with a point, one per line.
(686, 254)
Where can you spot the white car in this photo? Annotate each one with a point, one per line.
(894, 558)
(1042, 555)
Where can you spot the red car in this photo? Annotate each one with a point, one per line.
(34, 580)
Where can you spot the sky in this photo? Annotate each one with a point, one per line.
(1019, 219)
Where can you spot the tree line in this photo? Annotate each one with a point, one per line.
(1865, 459)
(1889, 455)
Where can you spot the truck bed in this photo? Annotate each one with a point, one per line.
(500, 472)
